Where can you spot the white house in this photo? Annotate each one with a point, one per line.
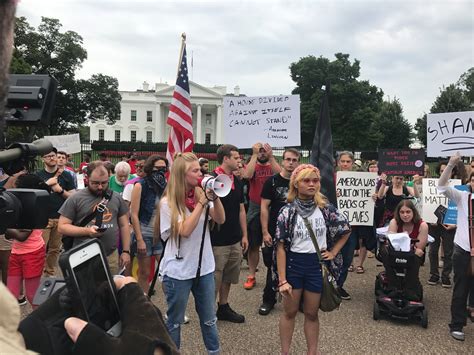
(144, 113)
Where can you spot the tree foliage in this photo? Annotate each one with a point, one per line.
(355, 105)
(395, 131)
(48, 50)
(453, 98)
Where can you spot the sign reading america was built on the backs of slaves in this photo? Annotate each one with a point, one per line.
(268, 119)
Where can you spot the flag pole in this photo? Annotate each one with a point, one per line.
(183, 43)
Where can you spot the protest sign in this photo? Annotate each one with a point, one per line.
(447, 133)
(431, 199)
(69, 143)
(354, 196)
(268, 119)
(402, 161)
(451, 216)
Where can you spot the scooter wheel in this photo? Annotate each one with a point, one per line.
(424, 318)
(376, 314)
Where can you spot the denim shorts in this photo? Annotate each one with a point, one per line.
(156, 249)
(303, 271)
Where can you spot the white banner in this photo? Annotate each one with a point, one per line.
(431, 199)
(354, 191)
(447, 133)
(69, 143)
(267, 119)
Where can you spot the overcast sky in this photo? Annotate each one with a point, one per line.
(407, 48)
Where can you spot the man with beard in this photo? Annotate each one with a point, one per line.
(274, 194)
(120, 177)
(261, 166)
(114, 216)
(62, 186)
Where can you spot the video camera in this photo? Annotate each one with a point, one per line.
(23, 208)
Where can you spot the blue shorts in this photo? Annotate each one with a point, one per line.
(303, 271)
(151, 249)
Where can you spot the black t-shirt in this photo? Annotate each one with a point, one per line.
(275, 189)
(66, 181)
(229, 233)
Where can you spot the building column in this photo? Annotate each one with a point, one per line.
(163, 124)
(219, 132)
(158, 130)
(199, 124)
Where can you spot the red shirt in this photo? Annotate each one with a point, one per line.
(133, 169)
(415, 231)
(261, 174)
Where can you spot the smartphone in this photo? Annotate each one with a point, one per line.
(87, 273)
(101, 230)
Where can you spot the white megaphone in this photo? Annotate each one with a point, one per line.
(221, 184)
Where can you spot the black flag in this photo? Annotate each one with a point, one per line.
(321, 152)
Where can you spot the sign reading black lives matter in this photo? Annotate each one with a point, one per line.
(406, 162)
(354, 196)
(267, 119)
(447, 133)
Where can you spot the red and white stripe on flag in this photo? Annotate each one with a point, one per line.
(180, 116)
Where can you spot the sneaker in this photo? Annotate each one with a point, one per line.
(434, 280)
(250, 283)
(457, 334)
(446, 282)
(224, 312)
(344, 295)
(22, 301)
(265, 308)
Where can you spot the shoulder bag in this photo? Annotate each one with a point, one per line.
(470, 220)
(330, 298)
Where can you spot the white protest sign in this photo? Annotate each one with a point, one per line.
(447, 133)
(69, 143)
(267, 119)
(354, 191)
(431, 199)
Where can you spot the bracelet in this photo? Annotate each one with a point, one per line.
(126, 252)
(202, 204)
(282, 283)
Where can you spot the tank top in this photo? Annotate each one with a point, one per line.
(414, 233)
(391, 200)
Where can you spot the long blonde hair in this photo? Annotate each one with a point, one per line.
(175, 191)
(319, 199)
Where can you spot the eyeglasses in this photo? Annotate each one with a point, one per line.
(50, 156)
(292, 160)
(97, 183)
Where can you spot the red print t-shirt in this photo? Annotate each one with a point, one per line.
(261, 174)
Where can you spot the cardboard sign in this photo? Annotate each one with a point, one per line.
(447, 133)
(407, 162)
(431, 199)
(69, 143)
(354, 191)
(268, 119)
(451, 216)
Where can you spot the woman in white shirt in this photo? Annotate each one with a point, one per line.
(182, 219)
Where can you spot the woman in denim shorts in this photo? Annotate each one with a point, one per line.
(298, 270)
(146, 195)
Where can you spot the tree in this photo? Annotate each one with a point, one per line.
(453, 98)
(47, 50)
(395, 130)
(354, 105)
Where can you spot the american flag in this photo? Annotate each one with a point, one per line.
(180, 117)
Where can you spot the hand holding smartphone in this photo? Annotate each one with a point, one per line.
(87, 275)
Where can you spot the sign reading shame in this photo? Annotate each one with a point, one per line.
(268, 119)
(402, 162)
(354, 196)
(447, 133)
(69, 143)
(431, 199)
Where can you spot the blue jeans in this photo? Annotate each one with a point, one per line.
(177, 295)
(347, 256)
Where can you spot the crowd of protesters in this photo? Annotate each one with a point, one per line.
(156, 215)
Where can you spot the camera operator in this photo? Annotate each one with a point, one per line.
(137, 337)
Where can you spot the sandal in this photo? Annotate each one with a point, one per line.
(360, 270)
(351, 268)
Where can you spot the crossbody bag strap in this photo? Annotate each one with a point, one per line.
(313, 238)
(198, 271)
(470, 219)
(101, 208)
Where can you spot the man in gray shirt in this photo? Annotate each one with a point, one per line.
(115, 217)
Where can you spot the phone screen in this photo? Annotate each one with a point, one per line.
(96, 293)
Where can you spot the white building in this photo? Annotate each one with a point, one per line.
(144, 113)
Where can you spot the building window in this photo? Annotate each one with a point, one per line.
(101, 134)
(133, 136)
(208, 138)
(149, 116)
(208, 119)
(149, 136)
(133, 115)
(117, 135)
